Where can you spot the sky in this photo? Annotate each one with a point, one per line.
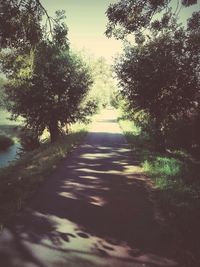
(86, 20)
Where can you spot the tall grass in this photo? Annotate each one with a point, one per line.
(177, 178)
(166, 171)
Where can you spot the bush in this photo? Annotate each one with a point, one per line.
(28, 140)
(5, 142)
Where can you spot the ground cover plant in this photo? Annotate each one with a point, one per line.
(176, 178)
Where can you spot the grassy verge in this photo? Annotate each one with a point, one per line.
(176, 178)
(20, 181)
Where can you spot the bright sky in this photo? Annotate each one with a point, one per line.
(87, 20)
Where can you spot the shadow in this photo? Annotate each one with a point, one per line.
(108, 121)
(97, 209)
(180, 204)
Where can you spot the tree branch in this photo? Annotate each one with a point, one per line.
(47, 15)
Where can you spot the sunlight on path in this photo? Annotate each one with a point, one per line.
(96, 210)
(106, 122)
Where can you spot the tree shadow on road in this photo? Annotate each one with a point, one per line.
(98, 209)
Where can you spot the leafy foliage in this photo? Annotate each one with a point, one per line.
(20, 23)
(104, 85)
(46, 85)
(160, 78)
(132, 16)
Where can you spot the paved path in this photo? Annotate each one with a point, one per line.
(97, 210)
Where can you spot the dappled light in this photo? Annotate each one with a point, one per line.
(98, 208)
(99, 151)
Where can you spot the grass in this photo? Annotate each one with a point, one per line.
(20, 181)
(5, 142)
(174, 175)
(176, 178)
(165, 171)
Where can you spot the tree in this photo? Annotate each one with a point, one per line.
(158, 78)
(20, 22)
(133, 16)
(159, 73)
(193, 50)
(47, 85)
(104, 84)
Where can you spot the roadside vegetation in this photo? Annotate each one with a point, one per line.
(20, 181)
(176, 178)
(158, 76)
(49, 92)
(45, 86)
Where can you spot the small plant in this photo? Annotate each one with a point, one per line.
(5, 142)
(165, 171)
(163, 166)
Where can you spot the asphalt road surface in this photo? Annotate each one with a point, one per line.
(96, 210)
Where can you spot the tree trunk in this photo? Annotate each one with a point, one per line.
(160, 142)
(54, 131)
(67, 128)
